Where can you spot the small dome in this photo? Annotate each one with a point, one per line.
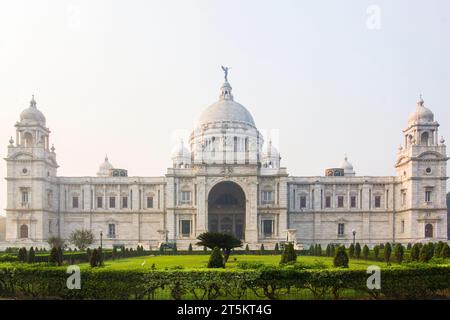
(421, 115)
(226, 110)
(347, 166)
(104, 169)
(180, 151)
(32, 115)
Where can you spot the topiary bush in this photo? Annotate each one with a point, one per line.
(277, 248)
(31, 255)
(366, 252)
(22, 254)
(426, 253)
(415, 252)
(94, 260)
(387, 252)
(351, 251)
(190, 248)
(357, 250)
(376, 252)
(216, 259)
(289, 255)
(399, 251)
(340, 260)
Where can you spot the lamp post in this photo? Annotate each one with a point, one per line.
(354, 235)
(101, 240)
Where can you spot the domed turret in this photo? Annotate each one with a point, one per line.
(271, 156)
(181, 156)
(348, 167)
(422, 115)
(105, 168)
(32, 115)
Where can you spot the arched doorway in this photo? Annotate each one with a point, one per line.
(226, 209)
(429, 230)
(23, 231)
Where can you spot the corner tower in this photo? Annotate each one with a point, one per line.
(422, 173)
(31, 171)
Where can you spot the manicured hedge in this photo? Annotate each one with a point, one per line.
(39, 281)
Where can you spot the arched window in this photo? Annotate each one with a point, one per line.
(424, 138)
(27, 139)
(23, 231)
(429, 230)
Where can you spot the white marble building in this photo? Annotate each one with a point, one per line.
(227, 179)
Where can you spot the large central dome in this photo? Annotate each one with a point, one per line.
(226, 110)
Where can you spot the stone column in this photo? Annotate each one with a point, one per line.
(251, 212)
(202, 205)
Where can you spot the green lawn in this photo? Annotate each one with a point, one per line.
(200, 261)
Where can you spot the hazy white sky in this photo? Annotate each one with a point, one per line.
(127, 78)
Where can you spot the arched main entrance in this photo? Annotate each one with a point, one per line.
(226, 209)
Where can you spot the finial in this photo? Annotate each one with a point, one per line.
(52, 149)
(32, 102)
(420, 102)
(345, 157)
(106, 157)
(442, 140)
(11, 141)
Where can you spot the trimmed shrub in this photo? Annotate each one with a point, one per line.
(328, 250)
(216, 259)
(22, 254)
(341, 258)
(247, 249)
(277, 248)
(289, 255)
(399, 252)
(31, 255)
(319, 250)
(409, 246)
(387, 252)
(351, 251)
(54, 257)
(381, 245)
(366, 252)
(190, 248)
(426, 253)
(333, 250)
(94, 260)
(312, 249)
(445, 252)
(262, 247)
(357, 250)
(415, 252)
(376, 252)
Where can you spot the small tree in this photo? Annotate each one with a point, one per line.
(351, 251)
(225, 242)
(31, 255)
(312, 249)
(289, 255)
(94, 260)
(216, 259)
(81, 238)
(415, 252)
(387, 252)
(55, 257)
(376, 252)
(399, 252)
(438, 249)
(57, 242)
(445, 252)
(409, 246)
(328, 250)
(319, 250)
(277, 248)
(262, 247)
(247, 249)
(190, 248)
(114, 253)
(366, 252)
(341, 258)
(22, 254)
(426, 252)
(357, 250)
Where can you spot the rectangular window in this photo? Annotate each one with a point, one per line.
(267, 196)
(327, 202)
(112, 202)
(267, 228)
(185, 196)
(125, 202)
(377, 201)
(340, 201)
(353, 201)
(428, 196)
(49, 199)
(403, 198)
(149, 202)
(185, 226)
(99, 202)
(111, 230)
(340, 229)
(303, 202)
(24, 197)
(75, 202)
